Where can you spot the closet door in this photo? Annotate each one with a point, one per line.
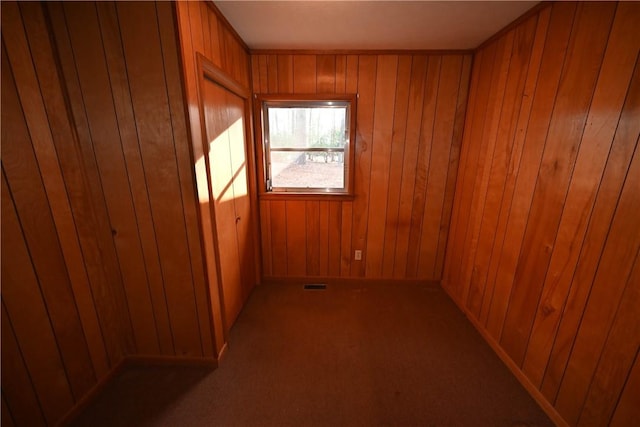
(223, 175)
(242, 203)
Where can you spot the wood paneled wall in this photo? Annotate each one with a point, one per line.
(543, 249)
(203, 31)
(101, 254)
(410, 115)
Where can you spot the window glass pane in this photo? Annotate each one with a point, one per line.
(307, 169)
(306, 142)
(310, 127)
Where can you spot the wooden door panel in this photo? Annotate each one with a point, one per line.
(221, 173)
(242, 203)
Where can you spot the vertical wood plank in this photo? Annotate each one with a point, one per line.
(26, 139)
(236, 57)
(600, 144)
(506, 148)
(279, 239)
(225, 53)
(272, 62)
(323, 236)
(304, 74)
(34, 334)
(351, 86)
(206, 30)
(596, 236)
(265, 233)
(7, 417)
(195, 20)
(345, 239)
(326, 74)
(386, 77)
(422, 168)
(73, 174)
(616, 360)
(147, 81)
(627, 411)
(504, 144)
(574, 95)
(483, 66)
(409, 162)
(255, 74)
(614, 269)
(185, 171)
(334, 238)
(539, 119)
(341, 73)
(454, 158)
(514, 163)
(87, 45)
(395, 164)
(263, 73)
(439, 160)
(116, 66)
(488, 133)
(312, 232)
(91, 214)
(453, 287)
(367, 65)
(17, 388)
(214, 32)
(285, 73)
(296, 236)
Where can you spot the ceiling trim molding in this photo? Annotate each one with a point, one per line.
(361, 51)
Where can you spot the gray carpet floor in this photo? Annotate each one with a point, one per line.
(350, 355)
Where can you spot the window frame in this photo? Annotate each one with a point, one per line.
(262, 102)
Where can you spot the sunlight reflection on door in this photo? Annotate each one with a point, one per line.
(229, 145)
(236, 141)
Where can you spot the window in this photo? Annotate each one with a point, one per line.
(308, 143)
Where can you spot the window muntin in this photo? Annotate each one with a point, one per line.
(307, 145)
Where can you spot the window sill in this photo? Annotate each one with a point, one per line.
(289, 195)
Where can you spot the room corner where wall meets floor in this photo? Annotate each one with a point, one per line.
(357, 353)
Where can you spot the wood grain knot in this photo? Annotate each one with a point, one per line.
(547, 309)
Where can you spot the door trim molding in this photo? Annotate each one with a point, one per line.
(209, 71)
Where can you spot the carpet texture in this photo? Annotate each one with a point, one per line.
(350, 355)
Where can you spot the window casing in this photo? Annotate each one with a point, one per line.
(307, 144)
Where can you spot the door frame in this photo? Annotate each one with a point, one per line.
(208, 70)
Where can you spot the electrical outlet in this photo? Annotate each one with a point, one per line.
(358, 255)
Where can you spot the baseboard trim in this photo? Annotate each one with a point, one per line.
(134, 360)
(85, 400)
(533, 391)
(153, 360)
(223, 352)
(301, 280)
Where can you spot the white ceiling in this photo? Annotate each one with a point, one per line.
(366, 24)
